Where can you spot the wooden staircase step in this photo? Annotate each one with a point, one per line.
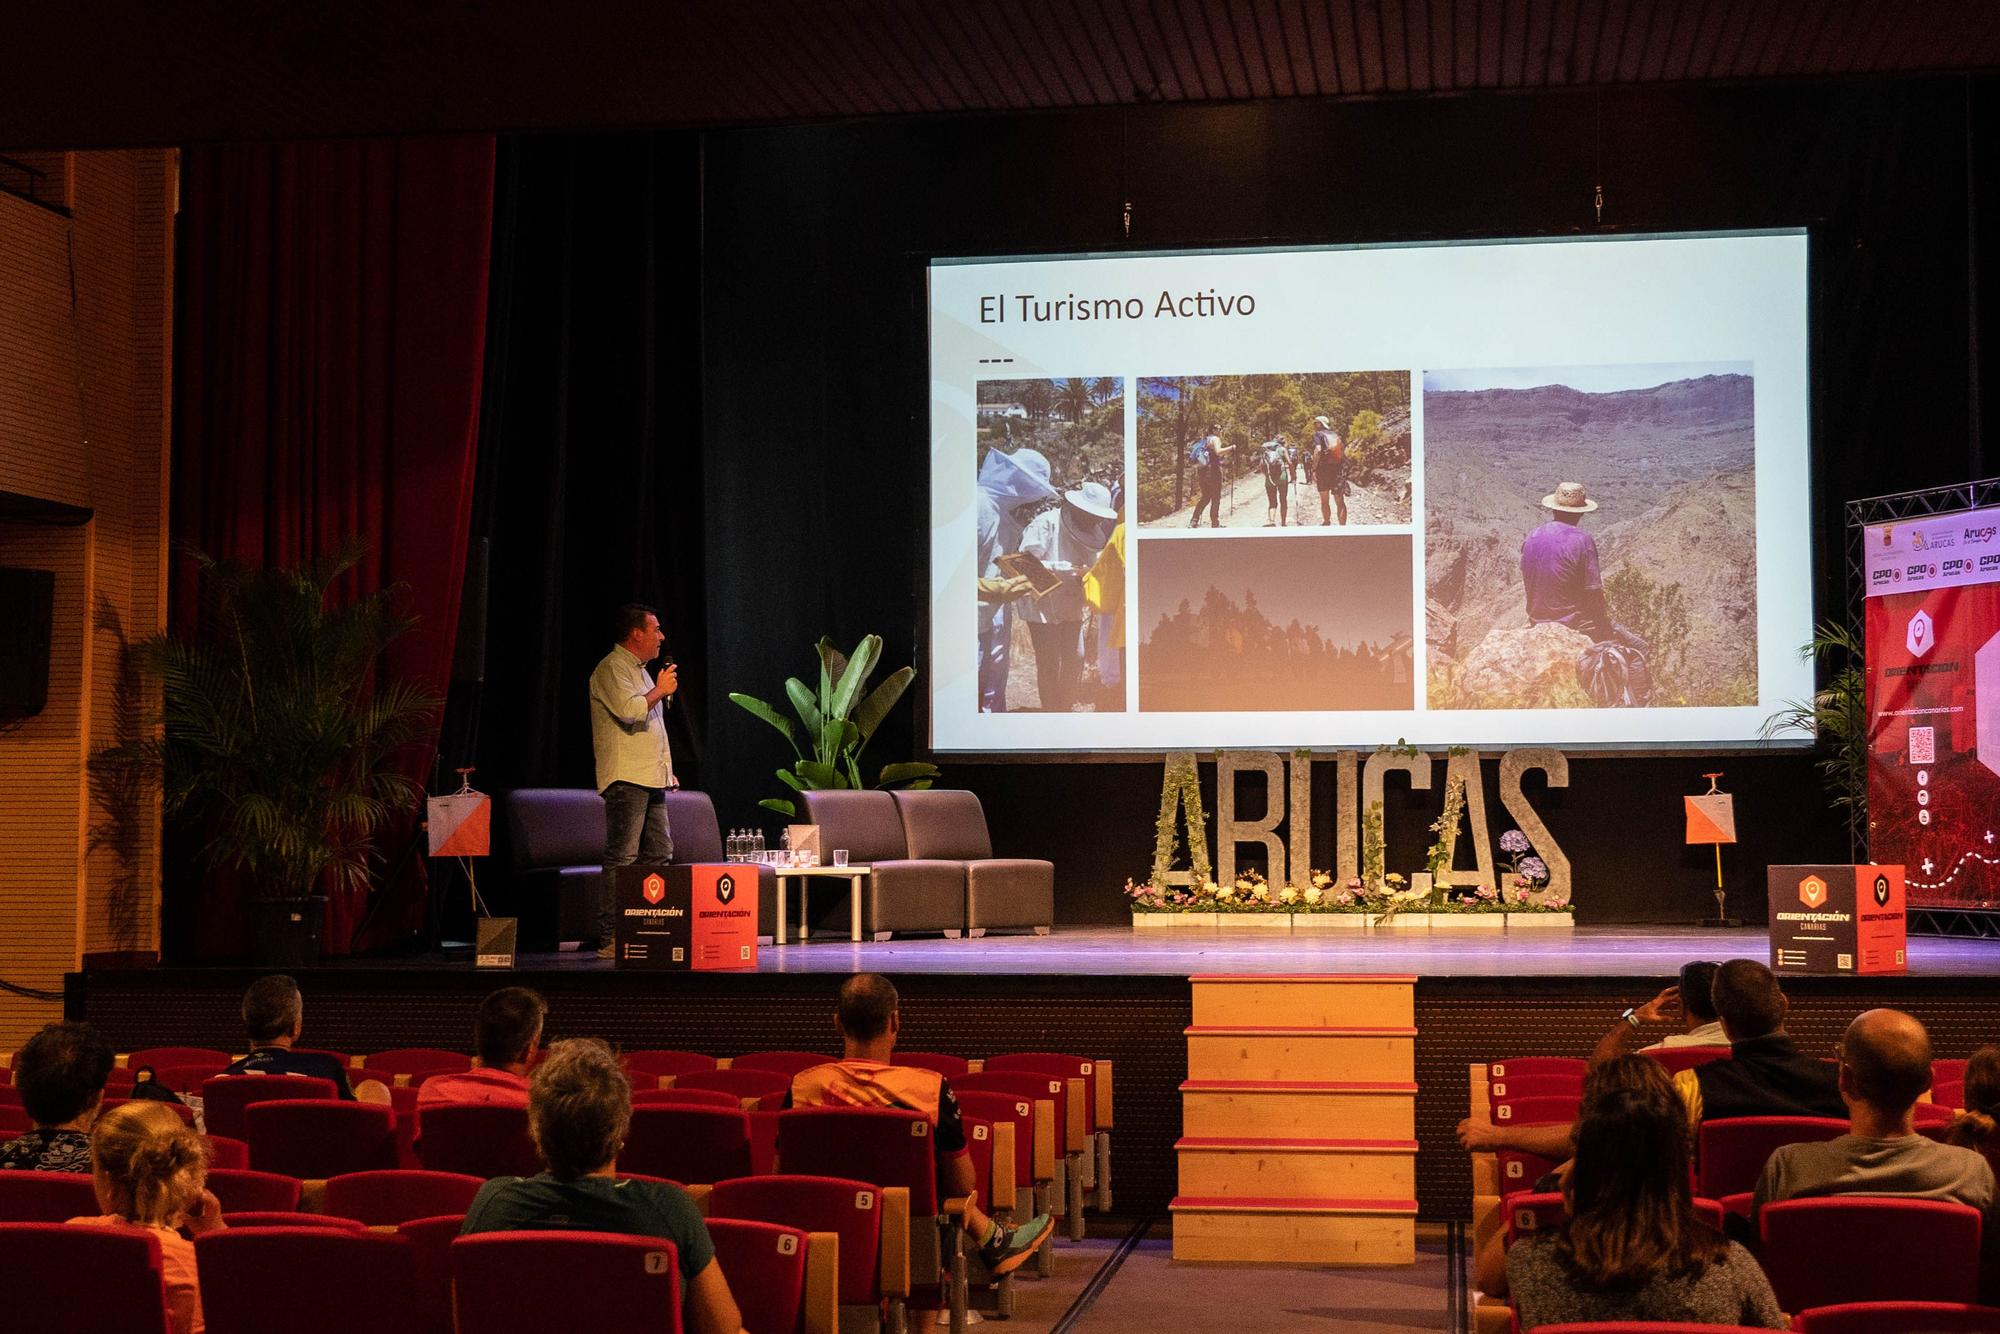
(1305, 999)
(1305, 1230)
(1220, 1167)
(1297, 1053)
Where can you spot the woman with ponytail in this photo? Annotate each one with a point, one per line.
(151, 1171)
(1978, 1124)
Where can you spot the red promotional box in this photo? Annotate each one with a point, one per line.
(699, 918)
(1837, 919)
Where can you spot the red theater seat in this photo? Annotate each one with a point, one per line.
(648, 1066)
(1645, 1327)
(1733, 1150)
(1534, 1086)
(388, 1199)
(240, 1190)
(1898, 1318)
(291, 1218)
(1826, 1252)
(252, 1279)
(1548, 1111)
(768, 1087)
(1509, 1067)
(786, 1063)
(853, 1210)
(46, 1197)
(161, 1057)
(186, 1079)
(692, 1144)
(69, 1280)
(478, 1139)
(320, 1137)
(228, 1151)
(885, 1147)
(680, 1097)
(1677, 1059)
(430, 1254)
(386, 1065)
(951, 1067)
(1003, 1108)
(224, 1097)
(180, 1109)
(766, 1266)
(609, 1282)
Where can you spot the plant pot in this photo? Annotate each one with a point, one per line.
(1153, 921)
(1330, 921)
(285, 933)
(1407, 921)
(1540, 921)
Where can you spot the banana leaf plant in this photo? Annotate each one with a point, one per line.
(1837, 715)
(834, 724)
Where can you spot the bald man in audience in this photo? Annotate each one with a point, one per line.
(1885, 1066)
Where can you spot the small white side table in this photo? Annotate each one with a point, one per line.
(852, 874)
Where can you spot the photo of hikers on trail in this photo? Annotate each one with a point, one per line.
(1323, 450)
(1241, 624)
(1051, 545)
(1590, 536)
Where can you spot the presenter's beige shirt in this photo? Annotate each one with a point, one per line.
(628, 735)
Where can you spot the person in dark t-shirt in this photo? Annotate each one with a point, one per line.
(273, 1017)
(579, 1108)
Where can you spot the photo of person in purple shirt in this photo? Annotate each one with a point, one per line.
(1559, 567)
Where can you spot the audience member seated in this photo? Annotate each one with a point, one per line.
(1978, 1124)
(505, 1034)
(579, 1107)
(60, 1074)
(1885, 1066)
(868, 1019)
(274, 1017)
(1691, 1001)
(150, 1171)
(1632, 1247)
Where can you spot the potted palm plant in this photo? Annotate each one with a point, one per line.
(278, 738)
(1837, 715)
(835, 723)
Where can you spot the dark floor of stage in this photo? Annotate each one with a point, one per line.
(1601, 951)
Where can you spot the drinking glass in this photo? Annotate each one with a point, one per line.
(840, 856)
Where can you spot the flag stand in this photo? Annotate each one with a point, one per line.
(1711, 819)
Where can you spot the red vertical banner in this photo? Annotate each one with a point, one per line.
(1933, 700)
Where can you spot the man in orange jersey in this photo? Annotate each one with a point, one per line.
(868, 1021)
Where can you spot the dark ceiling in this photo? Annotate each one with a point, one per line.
(87, 73)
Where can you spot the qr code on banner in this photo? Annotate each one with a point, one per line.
(1923, 745)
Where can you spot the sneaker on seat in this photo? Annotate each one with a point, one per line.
(1011, 1246)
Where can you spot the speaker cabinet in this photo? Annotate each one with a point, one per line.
(27, 607)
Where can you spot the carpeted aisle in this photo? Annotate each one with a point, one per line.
(1147, 1294)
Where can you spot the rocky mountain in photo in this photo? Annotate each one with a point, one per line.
(1671, 468)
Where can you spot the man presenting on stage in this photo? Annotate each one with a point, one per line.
(628, 733)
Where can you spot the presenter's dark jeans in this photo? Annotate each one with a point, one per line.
(635, 829)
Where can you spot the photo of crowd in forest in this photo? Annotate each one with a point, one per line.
(1323, 450)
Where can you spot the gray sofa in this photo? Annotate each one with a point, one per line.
(1001, 893)
(932, 863)
(555, 852)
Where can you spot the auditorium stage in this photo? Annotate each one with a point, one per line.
(1114, 993)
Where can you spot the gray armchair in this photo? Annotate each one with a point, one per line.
(555, 851)
(903, 893)
(1001, 893)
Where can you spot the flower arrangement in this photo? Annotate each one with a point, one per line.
(1529, 872)
(1438, 860)
(1249, 892)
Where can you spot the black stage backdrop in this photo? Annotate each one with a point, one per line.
(708, 386)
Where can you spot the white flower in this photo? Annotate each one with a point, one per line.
(1288, 895)
(1312, 894)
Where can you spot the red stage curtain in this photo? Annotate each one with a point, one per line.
(331, 317)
